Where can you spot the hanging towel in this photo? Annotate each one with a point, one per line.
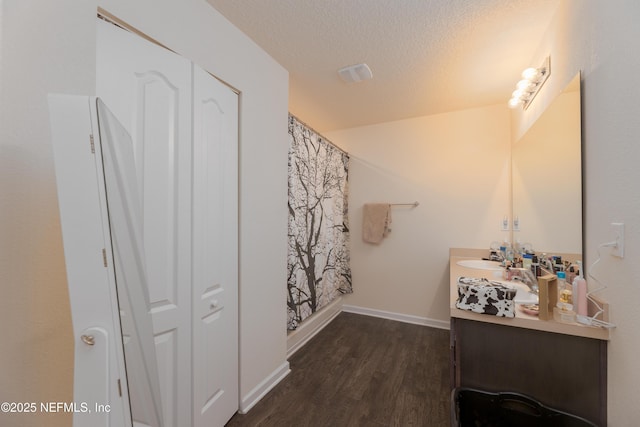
(376, 222)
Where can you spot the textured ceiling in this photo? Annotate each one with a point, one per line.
(427, 56)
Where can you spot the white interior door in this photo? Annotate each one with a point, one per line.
(215, 254)
(149, 89)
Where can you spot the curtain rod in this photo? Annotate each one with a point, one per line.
(325, 139)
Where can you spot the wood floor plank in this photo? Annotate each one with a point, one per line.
(361, 371)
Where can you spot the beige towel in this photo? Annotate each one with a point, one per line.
(376, 222)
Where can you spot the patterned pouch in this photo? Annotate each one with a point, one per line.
(485, 297)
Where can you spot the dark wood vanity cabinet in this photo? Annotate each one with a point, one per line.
(565, 372)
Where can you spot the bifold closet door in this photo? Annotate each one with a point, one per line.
(184, 127)
(148, 88)
(215, 254)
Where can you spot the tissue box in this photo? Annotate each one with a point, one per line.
(485, 297)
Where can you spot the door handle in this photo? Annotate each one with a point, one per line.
(88, 339)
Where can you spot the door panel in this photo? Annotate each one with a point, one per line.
(98, 353)
(149, 89)
(215, 255)
(156, 122)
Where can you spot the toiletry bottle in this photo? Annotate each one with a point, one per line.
(563, 311)
(509, 254)
(535, 266)
(565, 292)
(580, 294)
(571, 275)
(557, 264)
(526, 261)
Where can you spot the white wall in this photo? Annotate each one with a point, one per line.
(50, 47)
(456, 165)
(602, 39)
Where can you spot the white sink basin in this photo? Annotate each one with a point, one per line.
(523, 296)
(480, 264)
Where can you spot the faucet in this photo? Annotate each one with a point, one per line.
(496, 256)
(546, 264)
(526, 276)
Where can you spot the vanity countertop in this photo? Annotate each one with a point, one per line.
(521, 320)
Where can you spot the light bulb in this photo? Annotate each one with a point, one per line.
(525, 85)
(518, 93)
(531, 74)
(514, 102)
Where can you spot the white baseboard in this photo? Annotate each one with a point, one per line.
(311, 326)
(263, 388)
(407, 318)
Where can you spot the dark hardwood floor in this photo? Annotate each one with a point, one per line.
(362, 371)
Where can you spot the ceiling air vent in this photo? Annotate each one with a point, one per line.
(355, 73)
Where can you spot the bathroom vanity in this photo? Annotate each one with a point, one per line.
(564, 366)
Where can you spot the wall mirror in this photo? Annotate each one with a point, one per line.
(125, 220)
(547, 178)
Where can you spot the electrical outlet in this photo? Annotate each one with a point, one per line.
(618, 233)
(504, 224)
(516, 224)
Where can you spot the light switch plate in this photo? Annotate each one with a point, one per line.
(618, 235)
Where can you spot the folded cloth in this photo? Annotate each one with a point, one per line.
(485, 297)
(376, 221)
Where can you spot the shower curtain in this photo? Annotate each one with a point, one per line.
(318, 254)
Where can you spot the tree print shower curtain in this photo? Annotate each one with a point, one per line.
(318, 255)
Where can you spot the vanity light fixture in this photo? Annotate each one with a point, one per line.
(528, 87)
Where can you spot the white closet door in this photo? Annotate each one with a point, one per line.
(148, 88)
(215, 255)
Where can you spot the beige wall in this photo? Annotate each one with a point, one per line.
(50, 47)
(44, 47)
(457, 166)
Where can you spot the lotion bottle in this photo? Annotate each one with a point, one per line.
(580, 294)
